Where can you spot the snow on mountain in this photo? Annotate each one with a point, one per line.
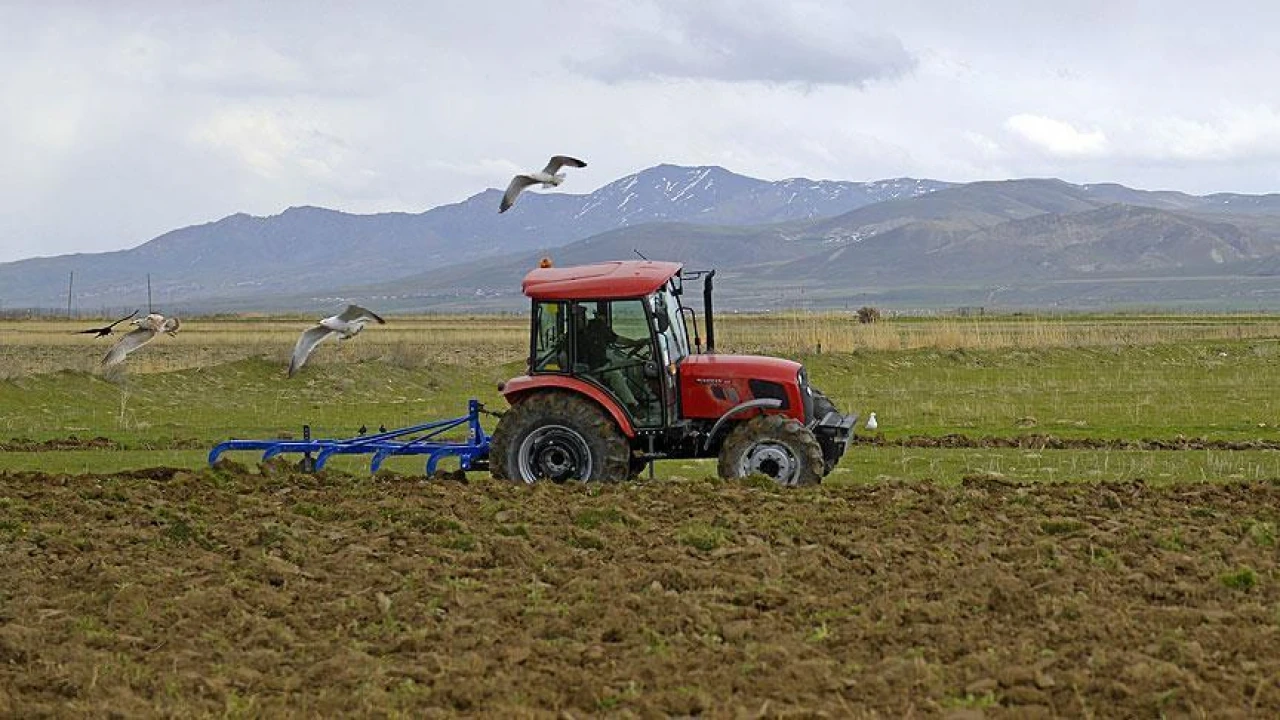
(310, 248)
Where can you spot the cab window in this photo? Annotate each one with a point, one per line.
(550, 333)
(613, 349)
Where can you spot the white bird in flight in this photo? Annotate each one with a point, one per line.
(871, 422)
(550, 176)
(145, 331)
(346, 324)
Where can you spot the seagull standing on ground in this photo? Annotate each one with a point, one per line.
(871, 422)
(346, 324)
(146, 331)
(550, 176)
(106, 330)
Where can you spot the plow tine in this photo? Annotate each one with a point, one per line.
(380, 446)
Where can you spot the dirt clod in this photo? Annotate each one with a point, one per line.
(172, 592)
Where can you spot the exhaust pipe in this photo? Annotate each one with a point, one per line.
(706, 308)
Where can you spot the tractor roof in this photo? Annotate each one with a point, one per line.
(615, 280)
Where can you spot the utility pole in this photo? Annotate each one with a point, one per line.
(149, 311)
(71, 281)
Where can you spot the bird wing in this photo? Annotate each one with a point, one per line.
(171, 326)
(518, 183)
(132, 340)
(559, 161)
(355, 312)
(306, 343)
(126, 317)
(105, 330)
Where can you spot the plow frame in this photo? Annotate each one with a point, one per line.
(421, 439)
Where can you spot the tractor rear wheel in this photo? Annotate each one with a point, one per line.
(775, 446)
(558, 436)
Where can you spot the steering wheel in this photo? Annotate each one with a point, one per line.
(557, 348)
(632, 351)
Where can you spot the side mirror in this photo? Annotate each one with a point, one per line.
(651, 369)
(663, 321)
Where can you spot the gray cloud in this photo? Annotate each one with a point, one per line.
(124, 120)
(775, 43)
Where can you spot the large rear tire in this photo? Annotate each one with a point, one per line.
(558, 436)
(775, 446)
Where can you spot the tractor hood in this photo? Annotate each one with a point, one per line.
(712, 385)
(706, 368)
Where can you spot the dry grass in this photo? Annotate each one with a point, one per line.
(841, 332)
(43, 346)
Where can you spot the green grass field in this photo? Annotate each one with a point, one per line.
(1121, 377)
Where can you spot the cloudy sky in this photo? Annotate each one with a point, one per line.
(122, 120)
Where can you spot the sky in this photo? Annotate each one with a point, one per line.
(120, 121)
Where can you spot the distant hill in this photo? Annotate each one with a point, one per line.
(314, 250)
(1033, 242)
(1028, 242)
(1110, 240)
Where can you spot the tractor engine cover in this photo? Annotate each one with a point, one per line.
(710, 385)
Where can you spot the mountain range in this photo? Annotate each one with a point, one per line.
(241, 260)
(1017, 243)
(905, 242)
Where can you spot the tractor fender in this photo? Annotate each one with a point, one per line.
(516, 388)
(748, 405)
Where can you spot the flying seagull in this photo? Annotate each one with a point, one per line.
(146, 331)
(549, 177)
(105, 330)
(347, 324)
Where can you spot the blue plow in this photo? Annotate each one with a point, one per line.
(423, 439)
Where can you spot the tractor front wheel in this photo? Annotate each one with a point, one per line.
(775, 446)
(821, 406)
(558, 436)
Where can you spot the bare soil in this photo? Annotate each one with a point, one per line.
(168, 592)
(71, 442)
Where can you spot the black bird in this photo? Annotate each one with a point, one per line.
(363, 430)
(106, 329)
(382, 428)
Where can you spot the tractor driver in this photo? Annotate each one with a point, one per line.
(603, 351)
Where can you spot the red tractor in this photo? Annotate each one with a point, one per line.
(613, 384)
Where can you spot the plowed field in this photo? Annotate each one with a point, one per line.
(245, 594)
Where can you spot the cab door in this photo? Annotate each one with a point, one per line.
(614, 349)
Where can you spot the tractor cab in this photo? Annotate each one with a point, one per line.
(610, 348)
(616, 326)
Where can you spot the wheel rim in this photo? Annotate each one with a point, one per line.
(770, 459)
(554, 452)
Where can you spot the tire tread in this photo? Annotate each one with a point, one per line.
(778, 428)
(602, 434)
